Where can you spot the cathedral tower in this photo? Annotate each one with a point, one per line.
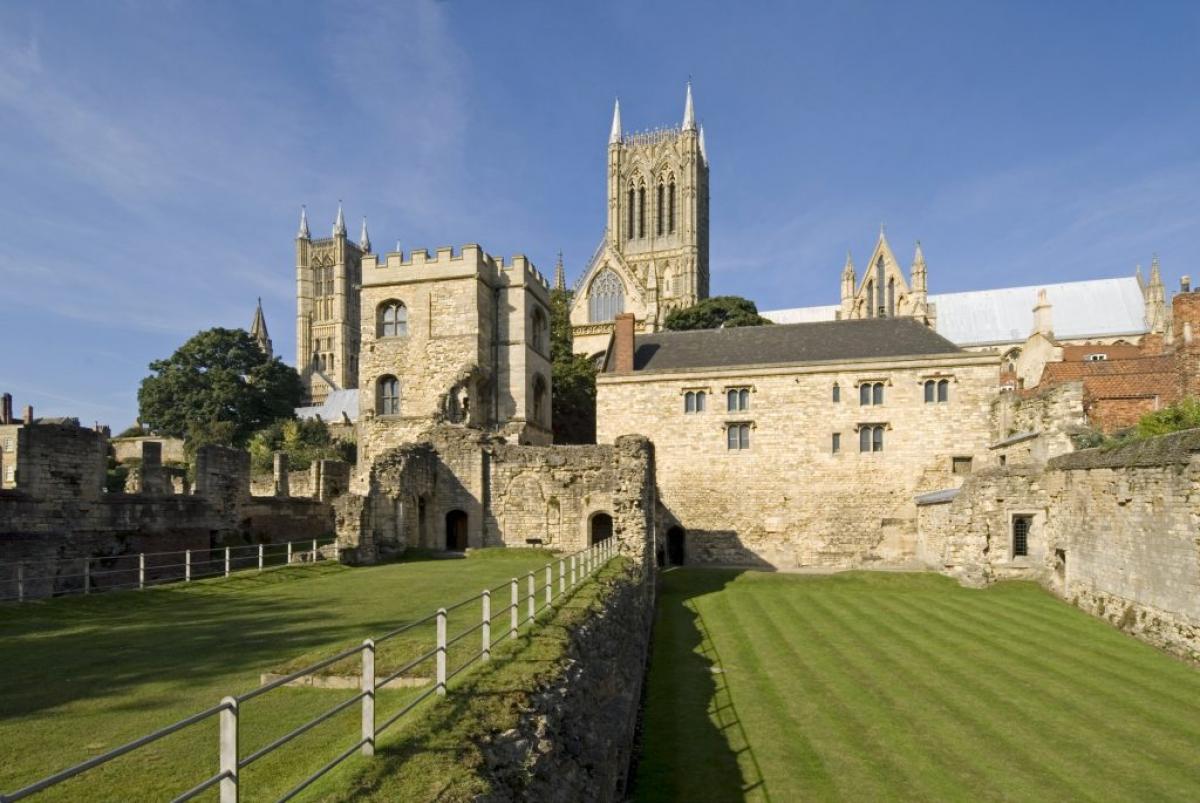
(654, 255)
(328, 272)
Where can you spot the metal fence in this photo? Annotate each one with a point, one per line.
(25, 580)
(527, 597)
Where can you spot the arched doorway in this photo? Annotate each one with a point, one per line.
(675, 547)
(602, 528)
(456, 531)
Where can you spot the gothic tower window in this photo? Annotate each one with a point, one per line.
(388, 395)
(658, 209)
(641, 211)
(671, 206)
(632, 198)
(539, 399)
(870, 299)
(606, 298)
(392, 319)
(891, 298)
(537, 336)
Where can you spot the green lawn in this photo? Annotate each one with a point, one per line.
(82, 675)
(874, 686)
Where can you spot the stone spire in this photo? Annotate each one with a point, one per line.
(1041, 316)
(364, 240)
(849, 280)
(258, 331)
(614, 136)
(339, 225)
(560, 275)
(689, 113)
(303, 233)
(1156, 300)
(918, 271)
(703, 150)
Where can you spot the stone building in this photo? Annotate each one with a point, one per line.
(798, 445)
(653, 257)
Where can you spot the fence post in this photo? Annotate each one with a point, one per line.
(187, 566)
(87, 575)
(512, 629)
(289, 557)
(314, 557)
(487, 625)
(337, 551)
(20, 582)
(441, 652)
(574, 570)
(532, 597)
(141, 570)
(260, 557)
(229, 750)
(368, 700)
(226, 561)
(549, 584)
(562, 576)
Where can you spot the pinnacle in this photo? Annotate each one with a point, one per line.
(614, 136)
(339, 225)
(689, 112)
(364, 240)
(560, 274)
(303, 233)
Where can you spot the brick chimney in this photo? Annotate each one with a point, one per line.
(28, 415)
(623, 343)
(6, 409)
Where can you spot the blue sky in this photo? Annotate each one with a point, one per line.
(154, 155)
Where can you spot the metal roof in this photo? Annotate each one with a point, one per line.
(335, 404)
(1092, 308)
(786, 344)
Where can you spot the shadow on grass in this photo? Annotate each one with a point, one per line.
(693, 746)
(100, 645)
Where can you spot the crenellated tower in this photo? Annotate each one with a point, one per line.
(328, 271)
(654, 255)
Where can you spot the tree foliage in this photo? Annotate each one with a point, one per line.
(574, 378)
(302, 440)
(219, 387)
(1183, 414)
(714, 313)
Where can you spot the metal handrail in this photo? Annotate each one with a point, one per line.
(230, 706)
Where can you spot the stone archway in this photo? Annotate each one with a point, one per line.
(600, 528)
(456, 531)
(676, 546)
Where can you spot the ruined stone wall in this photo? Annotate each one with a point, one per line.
(512, 495)
(61, 462)
(222, 476)
(790, 500)
(1114, 532)
(1056, 414)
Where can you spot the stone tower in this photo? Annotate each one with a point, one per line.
(327, 308)
(654, 255)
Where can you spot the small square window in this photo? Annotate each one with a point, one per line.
(960, 465)
(837, 393)
(1021, 526)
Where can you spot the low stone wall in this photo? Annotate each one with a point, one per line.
(575, 741)
(1112, 531)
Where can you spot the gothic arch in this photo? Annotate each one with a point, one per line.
(606, 296)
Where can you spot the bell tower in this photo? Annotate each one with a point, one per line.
(654, 254)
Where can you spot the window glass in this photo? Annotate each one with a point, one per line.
(877, 439)
(731, 400)
(837, 392)
(732, 437)
(943, 390)
(837, 442)
(744, 399)
(689, 402)
(864, 394)
(700, 401)
(864, 439)
(744, 434)
(928, 391)
(1021, 526)
(877, 393)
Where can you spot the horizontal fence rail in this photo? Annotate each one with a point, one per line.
(527, 599)
(28, 580)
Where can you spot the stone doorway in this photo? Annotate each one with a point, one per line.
(675, 546)
(602, 528)
(456, 531)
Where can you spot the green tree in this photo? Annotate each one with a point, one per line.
(574, 378)
(303, 441)
(1183, 414)
(219, 387)
(715, 312)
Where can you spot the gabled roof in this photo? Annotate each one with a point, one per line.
(871, 338)
(1093, 308)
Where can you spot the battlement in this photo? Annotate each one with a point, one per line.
(652, 136)
(471, 258)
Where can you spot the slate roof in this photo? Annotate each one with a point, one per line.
(786, 343)
(1093, 308)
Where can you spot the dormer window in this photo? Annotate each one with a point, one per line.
(1096, 357)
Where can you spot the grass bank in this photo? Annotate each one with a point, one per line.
(872, 686)
(83, 675)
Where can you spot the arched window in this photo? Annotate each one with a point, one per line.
(737, 436)
(837, 393)
(930, 391)
(877, 439)
(641, 211)
(891, 298)
(870, 438)
(693, 401)
(671, 206)
(606, 297)
(943, 390)
(631, 212)
(658, 209)
(537, 330)
(388, 401)
(737, 399)
(877, 393)
(539, 399)
(864, 439)
(870, 299)
(864, 394)
(392, 319)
